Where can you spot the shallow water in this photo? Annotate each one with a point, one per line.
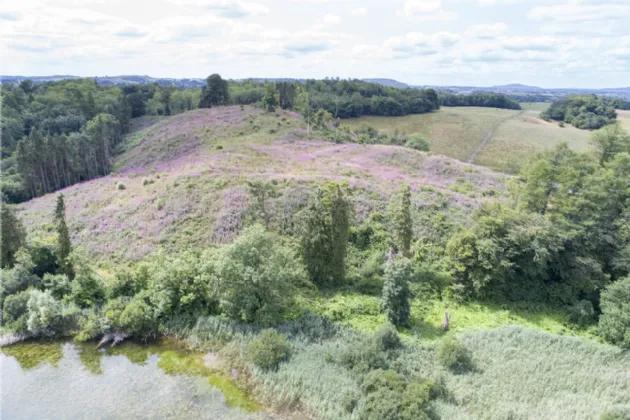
(65, 380)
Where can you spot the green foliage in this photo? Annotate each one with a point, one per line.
(386, 338)
(582, 313)
(87, 287)
(270, 99)
(147, 181)
(255, 278)
(505, 254)
(609, 142)
(386, 395)
(175, 285)
(120, 186)
(396, 295)
(582, 111)
(214, 93)
(268, 349)
(138, 317)
(64, 246)
(401, 221)
(454, 355)
(324, 235)
(58, 284)
(12, 233)
(372, 352)
(15, 312)
(492, 100)
(44, 313)
(614, 323)
(91, 326)
(417, 142)
(21, 276)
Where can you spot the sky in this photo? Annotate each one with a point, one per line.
(547, 43)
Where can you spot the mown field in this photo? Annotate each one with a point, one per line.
(496, 138)
(624, 118)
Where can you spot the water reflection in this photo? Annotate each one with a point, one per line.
(56, 380)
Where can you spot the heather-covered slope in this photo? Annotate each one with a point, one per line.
(182, 181)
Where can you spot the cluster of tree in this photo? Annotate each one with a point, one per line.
(565, 240)
(582, 111)
(492, 100)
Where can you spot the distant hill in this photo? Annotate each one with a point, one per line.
(516, 90)
(388, 82)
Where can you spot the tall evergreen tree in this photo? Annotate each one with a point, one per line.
(214, 93)
(401, 221)
(324, 236)
(64, 246)
(395, 297)
(13, 235)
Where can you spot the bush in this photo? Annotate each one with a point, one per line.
(87, 287)
(160, 204)
(44, 313)
(147, 181)
(120, 186)
(15, 312)
(388, 396)
(454, 355)
(395, 298)
(417, 142)
(614, 323)
(138, 317)
(255, 278)
(386, 338)
(91, 326)
(582, 313)
(58, 284)
(268, 349)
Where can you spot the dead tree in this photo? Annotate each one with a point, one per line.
(447, 322)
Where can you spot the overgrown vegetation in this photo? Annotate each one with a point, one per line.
(582, 111)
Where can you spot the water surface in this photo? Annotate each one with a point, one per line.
(65, 380)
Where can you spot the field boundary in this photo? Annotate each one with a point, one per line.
(489, 135)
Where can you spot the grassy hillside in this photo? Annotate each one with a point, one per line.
(497, 138)
(182, 181)
(624, 118)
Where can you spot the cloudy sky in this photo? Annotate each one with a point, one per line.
(549, 43)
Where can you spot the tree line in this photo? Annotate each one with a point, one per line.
(583, 111)
(492, 100)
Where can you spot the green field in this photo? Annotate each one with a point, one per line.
(624, 118)
(497, 138)
(535, 106)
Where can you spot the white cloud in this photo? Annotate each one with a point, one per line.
(419, 44)
(536, 43)
(359, 11)
(580, 12)
(332, 19)
(486, 31)
(427, 10)
(231, 9)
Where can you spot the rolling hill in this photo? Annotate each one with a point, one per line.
(184, 181)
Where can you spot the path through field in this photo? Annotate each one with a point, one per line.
(489, 135)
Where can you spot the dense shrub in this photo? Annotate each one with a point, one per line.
(138, 317)
(386, 395)
(582, 111)
(58, 284)
(418, 142)
(268, 349)
(20, 277)
(91, 326)
(15, 312)
(255, 278)
(454, 355)
(396, 295)
(44, 313)
(582, 312)
(87, 287)
(614, 323)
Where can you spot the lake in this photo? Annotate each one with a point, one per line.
(66, 380)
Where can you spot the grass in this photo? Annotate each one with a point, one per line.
(624, 118)
(451, 131)
(362, 313)
(457, 132)
(535, 106)
(517, 139)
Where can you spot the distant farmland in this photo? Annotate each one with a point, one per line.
(497, 138)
